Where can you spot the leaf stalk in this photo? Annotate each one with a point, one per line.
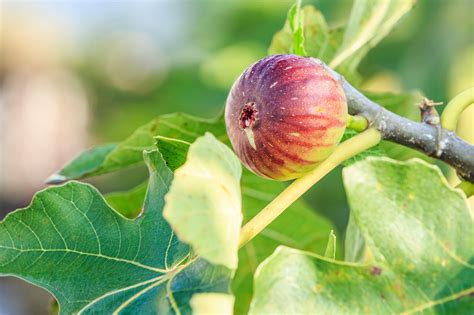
(452, 111)
(277, 206)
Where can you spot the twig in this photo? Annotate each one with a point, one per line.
(432, 140)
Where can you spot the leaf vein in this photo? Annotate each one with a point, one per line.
(132, 262)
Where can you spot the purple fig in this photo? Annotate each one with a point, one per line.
(284, 115)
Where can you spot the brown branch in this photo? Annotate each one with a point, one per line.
(426, 136)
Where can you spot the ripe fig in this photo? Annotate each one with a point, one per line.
(284, 115)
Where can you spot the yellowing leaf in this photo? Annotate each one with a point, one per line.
(204, 204)
(212, 304)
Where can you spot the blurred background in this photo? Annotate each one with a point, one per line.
(77, 73)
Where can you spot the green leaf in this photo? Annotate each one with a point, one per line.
(295, 20)
(370, 21)
(113, 157)
(319, 41)
(203, 205)
(419, 231)
(293, 16)
(299, 226)
(86, 162)
(174, 151)
(93, 260)
(128, 203)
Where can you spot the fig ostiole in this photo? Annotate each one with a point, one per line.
(284, 115)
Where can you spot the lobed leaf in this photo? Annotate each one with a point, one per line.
(419, 232)
(93, 260)
(130, 203)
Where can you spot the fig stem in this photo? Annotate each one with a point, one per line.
(357, 123)
(452, 111)
(344, 151)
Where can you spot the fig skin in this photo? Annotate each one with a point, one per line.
(284, 115)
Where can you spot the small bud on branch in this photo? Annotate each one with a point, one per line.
(429, 115)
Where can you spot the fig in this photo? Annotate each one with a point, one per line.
(284, 115)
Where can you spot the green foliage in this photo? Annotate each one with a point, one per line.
(112, 157)
(344, 48)
(419, 233)
(370, 21)
(70, 242)
(87, 162)
(295, 19)
(321, 42)
(341, 48)
(408, 245)
(299, 226)
(128, 203)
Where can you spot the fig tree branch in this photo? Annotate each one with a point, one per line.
(431, 139)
